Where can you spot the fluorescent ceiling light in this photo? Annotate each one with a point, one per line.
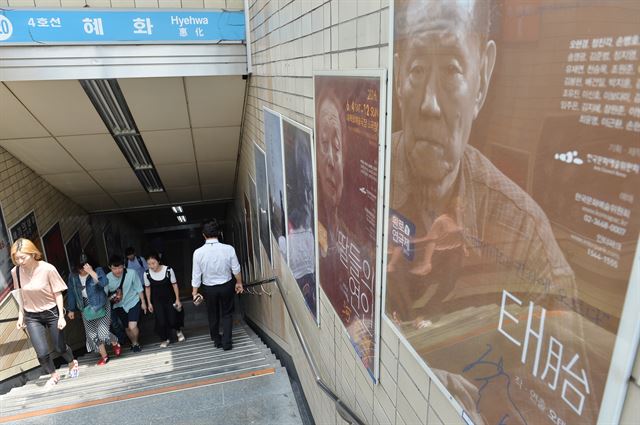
(177, 209)
(182, 219)
(107, 98)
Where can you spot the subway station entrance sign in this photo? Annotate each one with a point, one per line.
(95, 26)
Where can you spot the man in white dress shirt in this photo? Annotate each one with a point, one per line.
(213, 266)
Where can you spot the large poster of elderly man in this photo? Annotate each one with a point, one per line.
(301, 238)
(513, 203)
(348, 155)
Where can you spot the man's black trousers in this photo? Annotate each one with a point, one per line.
(219, 300)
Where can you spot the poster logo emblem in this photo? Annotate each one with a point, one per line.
(570, 157)
(6, 28)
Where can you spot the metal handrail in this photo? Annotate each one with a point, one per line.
(343, 410)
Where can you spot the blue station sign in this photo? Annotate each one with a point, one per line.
(131, 26)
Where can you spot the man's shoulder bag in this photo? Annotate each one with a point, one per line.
(116, 297)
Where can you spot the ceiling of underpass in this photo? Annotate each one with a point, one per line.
(190, 126)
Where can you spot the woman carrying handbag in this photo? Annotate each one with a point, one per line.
(87, 296)
(41, 310)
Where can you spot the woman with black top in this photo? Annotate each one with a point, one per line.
(163, 298)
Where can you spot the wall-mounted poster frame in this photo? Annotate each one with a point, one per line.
(248, 220)
(275, 176)
(299, 178)
(350, 135)
(255, 230)
(6, 281)
(262, 188)
(55, 250)
(27, 227)
(73, 247)
(487, 335)
(111, 240)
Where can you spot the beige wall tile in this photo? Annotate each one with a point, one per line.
(147, 4)
(235, 5)
(367, 6)
(368, 33)
(407, 413)
(443, 407)
(192, 4)
(47, 3)
(22, 3)
(123, 3)
(368, 58)
(416, 396)
(347, 9)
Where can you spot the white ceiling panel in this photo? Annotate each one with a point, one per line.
(215, 101)
(15, 120)
(95, 202)
(184, 194)
(156, 103)
(42, 155)
(216, 144)
(74, 184)
(118, 180)
(169, 146)
(178, 175)
(94, 152)
(61, 106)
(217, 172)
(132, 199)
(217, 191)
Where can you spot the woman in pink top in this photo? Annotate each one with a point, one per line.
(42, 310)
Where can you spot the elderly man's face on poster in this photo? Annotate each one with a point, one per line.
(442, 78)
(330, 158)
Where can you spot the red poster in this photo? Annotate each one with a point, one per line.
(347, 148)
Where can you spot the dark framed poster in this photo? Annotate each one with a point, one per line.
(27, 227)
(513, 219)
(74, 250)
(349, 129)
(91, 250)
(6, 281)
(299, 177)
(255, 232)
(275, 173)
(55, 250)
(262, 189)
(248, 222)
(112, 241)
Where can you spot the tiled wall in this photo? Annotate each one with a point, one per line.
(22, 190)
(290, 40)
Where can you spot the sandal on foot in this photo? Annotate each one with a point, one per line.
(53, 381)
(74, 369)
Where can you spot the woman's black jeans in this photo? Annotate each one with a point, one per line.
(37, 325)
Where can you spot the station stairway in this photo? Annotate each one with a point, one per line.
(191, 382)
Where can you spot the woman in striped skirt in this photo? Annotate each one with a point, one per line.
(86, 295)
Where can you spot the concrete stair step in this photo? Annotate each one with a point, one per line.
(188, 364)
